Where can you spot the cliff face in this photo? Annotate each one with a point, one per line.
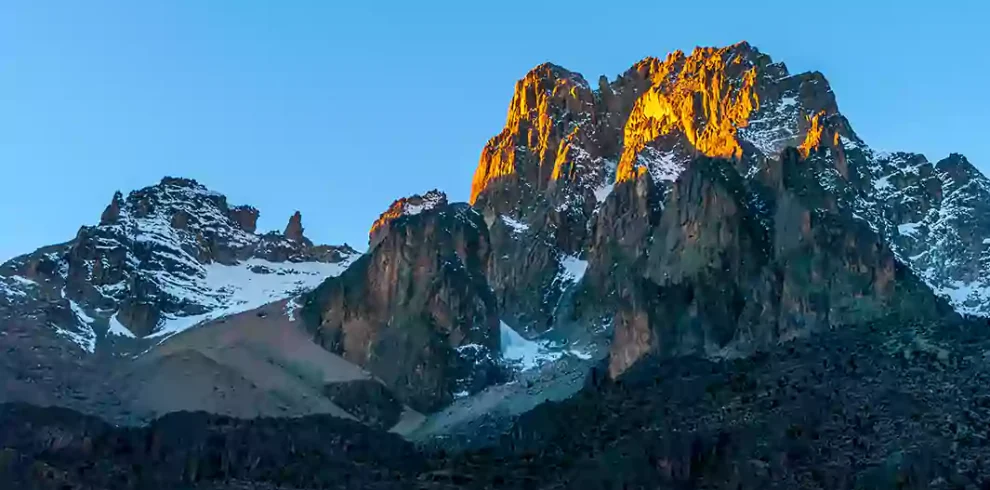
(697, 231)
(416, 310)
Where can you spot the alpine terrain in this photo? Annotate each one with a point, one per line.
(693, 275)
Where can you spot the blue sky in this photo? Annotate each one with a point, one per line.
(336, 109)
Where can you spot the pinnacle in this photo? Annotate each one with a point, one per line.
(294, 230)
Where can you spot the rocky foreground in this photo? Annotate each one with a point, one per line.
(891, 404)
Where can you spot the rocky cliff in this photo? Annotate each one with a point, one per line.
(699, 231)
(416, 310)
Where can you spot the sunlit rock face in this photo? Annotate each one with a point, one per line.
(593, 175)
(552, 110)
(416, 310)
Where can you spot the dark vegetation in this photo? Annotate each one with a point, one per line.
(891, 404)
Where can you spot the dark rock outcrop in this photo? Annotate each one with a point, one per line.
(889, 404)
(416, 311)
(294, 230)
(50, 448)
(368, 400)
(734, 266)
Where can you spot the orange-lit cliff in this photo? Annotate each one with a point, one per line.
(705, 97)
(549, 106)
(731, 102)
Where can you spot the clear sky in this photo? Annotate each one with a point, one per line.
(337, 108)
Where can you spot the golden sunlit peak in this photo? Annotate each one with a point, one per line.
(535, 121)
(705, 97)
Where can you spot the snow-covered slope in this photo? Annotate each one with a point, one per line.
(163, 259)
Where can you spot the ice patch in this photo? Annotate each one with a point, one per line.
(118, 329)
(525, 354)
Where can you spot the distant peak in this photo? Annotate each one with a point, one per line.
(551, 70)
(179, 182)
(294, 230)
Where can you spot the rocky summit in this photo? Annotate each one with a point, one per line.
(693, 275)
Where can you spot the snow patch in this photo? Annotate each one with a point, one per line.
(10, 290)
(429, 201)
(24, 281)
(908, 229)
(883, 183)
(967, 298)
(516, 225)
(525, 354)
(603, 192)
(663, 165)
(80, 313)
(584, 356)
(85, 337)
(227, 290)
(848, 143)
(466, 347)
(118, 329)
(572, 269)
(290, 309)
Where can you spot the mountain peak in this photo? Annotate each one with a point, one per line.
(726, 82)
(169, 255)
(406, 206)
(544, 101)
(180, 182)
(294, 229)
